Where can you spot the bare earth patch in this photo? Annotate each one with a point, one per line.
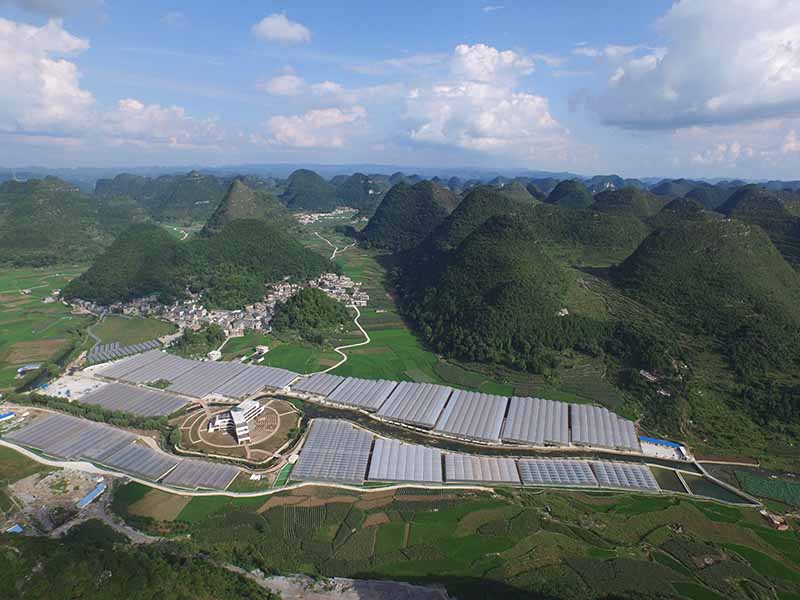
(36, 350)
(282, 501)
(159, 505)
(314, 502)
(376, 519)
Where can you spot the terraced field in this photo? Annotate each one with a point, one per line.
(518, 543)
(30, 330)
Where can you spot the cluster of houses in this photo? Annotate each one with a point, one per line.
(309, 218)
(191, 314)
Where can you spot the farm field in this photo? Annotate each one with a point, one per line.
(30, 330)
(301, 358)
(516, 544)
(774, 488)
(130, 330)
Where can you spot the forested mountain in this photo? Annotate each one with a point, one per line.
(629, 201)
(230, 268)
(49, 221)
(603, 183)
(143, 260)
(242, 202)
(677, 211)
(477, 207)
(570, 193)
(186, 199)
(306, 190)
(360, 191)
(311, 314)
(726, 280)
(535, 192)
(677, 188)
(407, 215)
(756, 205)
(491, 297)
(517, 191)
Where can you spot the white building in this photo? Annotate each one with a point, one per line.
(236, 419)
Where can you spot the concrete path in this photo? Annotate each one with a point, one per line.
(339, 349)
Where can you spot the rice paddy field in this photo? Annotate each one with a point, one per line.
(32, 331)
(513, 544)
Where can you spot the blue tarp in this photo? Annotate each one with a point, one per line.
(92, 496)
(6, 415)
(660, 442)
(15, 529)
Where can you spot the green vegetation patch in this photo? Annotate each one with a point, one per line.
(774, 488)
(131, 330)
(15, 466)
(764, 564)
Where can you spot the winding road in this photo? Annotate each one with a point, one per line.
(336, 249)
(339, 349)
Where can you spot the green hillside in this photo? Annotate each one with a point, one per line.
(492, 296)
(587, 237)
(360, 191)
(725, 280)
(229, 268)
(186, 199)
(753, 204)
(407, 215)
(242, 202)
(678, 211)
(517, 191)
(628, 201)
(48, 221)
(306, 190)
(310, 314)
(478, 206)
(570, 194)
(142, 261)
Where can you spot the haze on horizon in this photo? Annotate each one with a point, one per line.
(695, 88)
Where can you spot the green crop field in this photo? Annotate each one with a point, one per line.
(131, 330)
(519, 544)
(30, 330)
(14, 466)
(778, 489)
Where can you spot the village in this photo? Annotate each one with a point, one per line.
(191, 314)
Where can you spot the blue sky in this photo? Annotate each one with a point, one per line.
(637, 88)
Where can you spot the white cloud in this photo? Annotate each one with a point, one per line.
(43, 100)
(791, 145)
(488, 8)
(283, 85)
(151, 124)
(328, 87)
(41, 89)
(410, 64)
(478, 107)
(320, 128)
(712, 70)
(278, 28)
(610, 52)
(485, 63)
(723, 154)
